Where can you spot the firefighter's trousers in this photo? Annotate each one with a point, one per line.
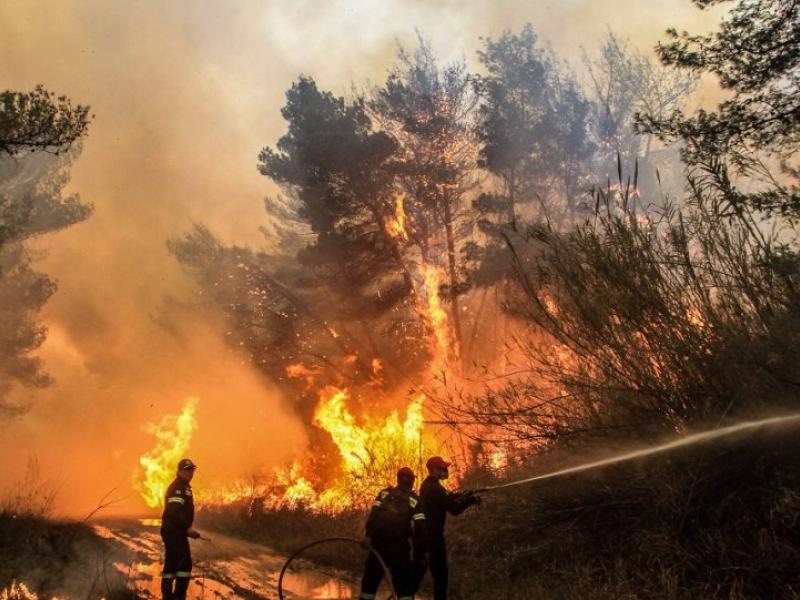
(397, 556)
(438, 567)
(177, 566)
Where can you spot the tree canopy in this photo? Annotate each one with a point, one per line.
(755, 56)
(39, 121)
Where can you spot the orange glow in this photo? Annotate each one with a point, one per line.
(374, 444)
(442, 346)
(371, 449)
(377, 366)
(18, 591)
(301, 371)
(232, 492)
(498, 460)
(396, 227)
(172, 435)
(550, 305)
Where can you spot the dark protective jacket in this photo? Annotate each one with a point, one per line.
(438, 502)
(178, 508)
(397, 515)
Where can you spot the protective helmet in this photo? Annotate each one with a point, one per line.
(437, 462)
(186, 463)
(405, 473)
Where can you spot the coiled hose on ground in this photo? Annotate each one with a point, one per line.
(387, 575)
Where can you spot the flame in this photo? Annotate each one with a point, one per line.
(371, 450)
(232, 492)
(396, 227)
(20, 591)
(298, 489)
(173, 435)
(498, 460)
(377, 373)
(377, 367)
(442, 345)
(375, 444)
(17, 591)
(301, 371)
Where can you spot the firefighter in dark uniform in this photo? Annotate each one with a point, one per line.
(176, 529)
(396, 531)
(438, 502)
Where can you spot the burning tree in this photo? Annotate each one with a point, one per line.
(386, 241)
(662, 320)
(340, 190)
(429, 112)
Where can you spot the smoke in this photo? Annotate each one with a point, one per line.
(185, 94)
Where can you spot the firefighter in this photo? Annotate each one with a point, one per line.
(176, 529)
(437, 502)
(396, 531)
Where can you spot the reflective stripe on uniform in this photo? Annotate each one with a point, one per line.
(183, 574)
(419, 517)
(384, 493)
(175, 499)
(167, 575)
(412, 502)
(376, 503)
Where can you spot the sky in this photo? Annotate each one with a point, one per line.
(185, 93)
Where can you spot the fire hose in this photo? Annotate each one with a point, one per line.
(684, 441)
(360, 543)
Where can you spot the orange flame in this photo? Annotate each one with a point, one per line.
(301, 371)
(371, 450)
(18, 591)
(373, 445)
(498, 460)
(396, 227)
(442, 346)
(172, 435)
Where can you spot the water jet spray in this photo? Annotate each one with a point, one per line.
(685, 441)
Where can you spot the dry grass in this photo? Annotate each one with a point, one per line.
(717, 520)
(712, 521)
(41, 556)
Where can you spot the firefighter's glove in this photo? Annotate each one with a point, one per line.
(193, 533)
(473, 499)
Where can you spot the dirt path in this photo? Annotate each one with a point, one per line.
(224, 567)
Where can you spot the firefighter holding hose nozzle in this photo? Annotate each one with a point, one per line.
(176, 529)
(437, 502)
(396, 531)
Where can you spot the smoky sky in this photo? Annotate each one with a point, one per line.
(184, 94)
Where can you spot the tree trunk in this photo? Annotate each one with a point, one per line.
(453, 274)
